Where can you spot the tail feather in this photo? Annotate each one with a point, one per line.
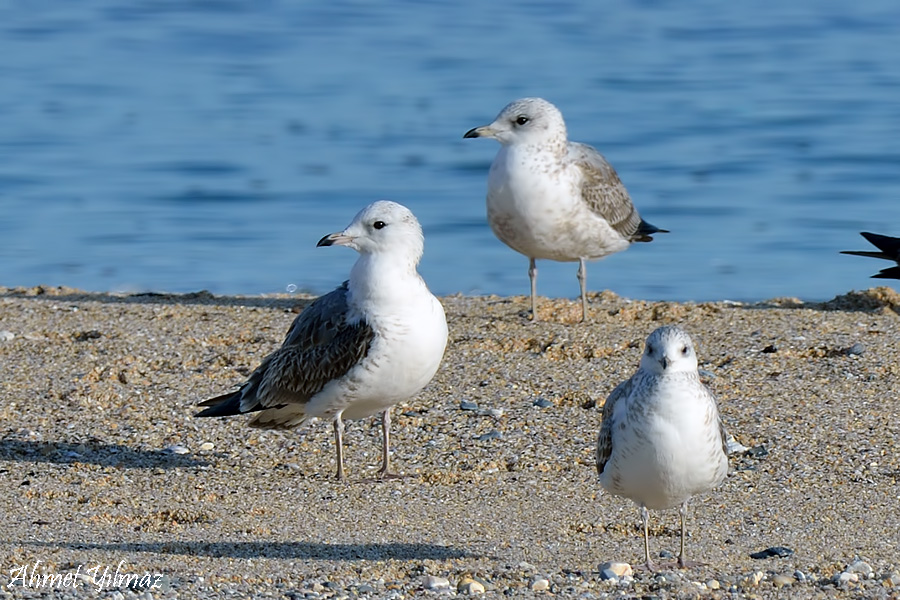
(645, 232)
(225, 405)
(887, 244)
(869, 253)
(889, 273)
(890, 250)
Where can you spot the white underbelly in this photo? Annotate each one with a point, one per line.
(547, 221)
(395, 369)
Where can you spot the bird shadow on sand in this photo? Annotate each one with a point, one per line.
(285, 550)
(95, 453)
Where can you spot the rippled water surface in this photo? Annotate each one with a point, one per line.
(177, 145)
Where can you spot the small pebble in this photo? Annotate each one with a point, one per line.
(666, 554)
(862, 568)
(466, 405)
(205, 446)
(493, 434)
(608, 575)
(713, 584)
(770, 349)
(495, 412)
(855, 350)
(845, 578)
(891, 580)
(542, 403)
(433, 582)
(177, 449)
(751, 580)
(774, 551)
(800, 575)
(539, 584)
(757, 451)
(6, 336)
(621, 569)
(781, 581)
(365, 589)
(469, 586)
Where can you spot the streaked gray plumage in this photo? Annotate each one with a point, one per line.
(662, 440)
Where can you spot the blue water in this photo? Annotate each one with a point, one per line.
(178, 145)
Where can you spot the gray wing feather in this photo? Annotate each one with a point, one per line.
(603, 191)
(320, 321)
(604, 441)
(711, 399)
(723, 434)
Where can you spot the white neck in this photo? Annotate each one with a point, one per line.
(383, 278)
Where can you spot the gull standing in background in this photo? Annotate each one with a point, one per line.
(373, 342)
(553, 199)
(662, 440)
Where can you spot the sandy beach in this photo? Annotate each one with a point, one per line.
(103, 466)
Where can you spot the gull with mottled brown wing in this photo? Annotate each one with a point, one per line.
(661, 440)
(550, 198)
(373, 342)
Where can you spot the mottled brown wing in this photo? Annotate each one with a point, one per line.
(320, 346)
(604, 440)
(603, 191)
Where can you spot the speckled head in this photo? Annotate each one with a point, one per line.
(527, 120)
(669, 349)
(381, 227)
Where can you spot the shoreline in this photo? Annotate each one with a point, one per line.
(102, 461)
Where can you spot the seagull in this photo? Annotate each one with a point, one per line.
(373, 342)
(550, 198)
(890, 250)
(662, 440)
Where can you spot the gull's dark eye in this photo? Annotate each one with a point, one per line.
(521, 120)
(649, 349)
(379, 224)
(684, 349)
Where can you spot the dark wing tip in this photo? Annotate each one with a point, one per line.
(885, 243)
(890, 273)
(645, 232)
(225, 405)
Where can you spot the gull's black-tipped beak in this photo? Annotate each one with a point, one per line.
(335, 239)
(475, 132)
(664, 362)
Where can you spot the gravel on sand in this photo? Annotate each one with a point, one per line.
(104, 468)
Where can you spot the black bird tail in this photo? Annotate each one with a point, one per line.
(225, 405)
(890, 250)
(887, 244)
(645, 232)
(889, 273)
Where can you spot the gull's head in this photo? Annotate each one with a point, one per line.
(381, 227)
(528, 120)
(669, 350)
